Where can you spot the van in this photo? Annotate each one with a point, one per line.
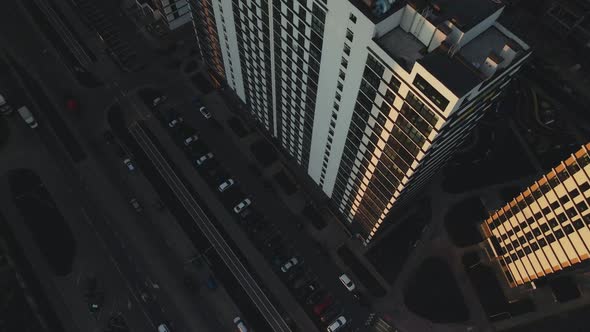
(28, 117)
(163, 328)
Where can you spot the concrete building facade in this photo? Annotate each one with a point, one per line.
(370, 98)
(544, 230)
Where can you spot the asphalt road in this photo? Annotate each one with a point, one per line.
(144, 311)
(263, 304)
(120, 85)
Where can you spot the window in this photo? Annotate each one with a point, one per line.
(584, 186)
(578, 223)
(352, 18)
(430, 92)
(550, 238)
(349, 34)
(568, 229)
(536, 231)
(559, 234)
(344, 63)
(582, 206)
(342, 75)
(340, 86)
(346, 49)
(544, 228)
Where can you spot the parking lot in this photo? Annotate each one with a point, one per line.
(285, 257)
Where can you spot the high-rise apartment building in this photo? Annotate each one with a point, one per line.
(369, 97)
(545, 228)
(174, 13)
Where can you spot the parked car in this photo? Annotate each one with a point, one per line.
(347, 282)
(158, 100)
(163, 328)
(240, 324)
(242, 205)
(225, 185)
(135, 204)
(72, 104)
(191, 139)
(211, 282)
(336, 324)
(319, 308)
(206, 114)
(108, 136)
(289, 264)
(306, 290)
(316, 297)
(203, 158)
(27, 116)
(174, 119)
(330, 314)
(94, 296)
(129, 164)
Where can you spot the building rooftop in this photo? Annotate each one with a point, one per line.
(464, 14)
(403, 47)
(453, 72)
(489, 42)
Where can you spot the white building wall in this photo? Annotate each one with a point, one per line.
(229, 48)
(336, 25)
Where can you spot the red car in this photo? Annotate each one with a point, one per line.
(319, 308)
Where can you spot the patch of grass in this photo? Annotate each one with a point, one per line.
(462, 222)
(433, 293)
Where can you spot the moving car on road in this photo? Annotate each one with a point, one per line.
(129, 164)
(26, 114)
(136, 206)
(240, 324)
(242, 205)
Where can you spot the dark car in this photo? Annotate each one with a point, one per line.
(307, 290)
(326, 302)
(316, 297)
(72, 104)
(331, 314)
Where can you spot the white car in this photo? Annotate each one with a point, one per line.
(204, 158)
(191, 139)
(129, 164)
(158, 100)
(240, 324)
(290, 263)
(206, 114)
(337, 324)
(242, 205)
(163, 328)
(225, 185)
(174, 122)
(347, 282)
